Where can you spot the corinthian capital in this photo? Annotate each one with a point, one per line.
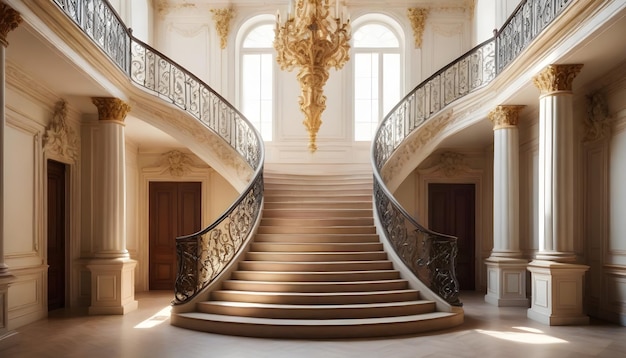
(9, 20)
(505, 116)
(111, 109)
(555, 78)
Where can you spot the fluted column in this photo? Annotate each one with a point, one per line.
(506, 270)
(112, 270)
(557, 282)
(9, 20)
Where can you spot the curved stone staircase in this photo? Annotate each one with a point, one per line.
(316, 269)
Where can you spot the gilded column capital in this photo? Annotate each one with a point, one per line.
(417, 17)
(9, 20)
(555, 78)
(505, 116)
(111, 109)
(222, 19)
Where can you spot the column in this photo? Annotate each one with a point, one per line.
(9, 20)
(557, 281)
(506, 269)
(112, 270)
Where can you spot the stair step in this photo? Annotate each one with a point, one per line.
(334, 230)
(320, 238)
(315, 287)
(315, 247)
(308, 257)
(315, 266)
(320, 205)
(317, 329)
(277, 190)
(316, 276)
(317, 213)
(312, 298)
(318, 196)
(318, 222)
(284, 311)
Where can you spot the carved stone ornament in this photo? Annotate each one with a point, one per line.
(222, 19)
(177, 162)
(60, 138)
(452, 163)
(555, 78)
(111, 109)
(597, 122)
(417, 17)
(9, 21)
(505, 116)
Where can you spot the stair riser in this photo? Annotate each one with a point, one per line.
(316, 213)
(315, 277)
(337, 230)
(314, 267)
(311, 299)
(318, 287)
(317, 222)
(289, 247)
(319, 312)
(315, 238)
(320, 205)
(315, 197)
(315, 257)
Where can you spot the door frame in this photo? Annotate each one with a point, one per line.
(439, 175)
(160, 174)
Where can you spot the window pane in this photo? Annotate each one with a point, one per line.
(391, 81)
(374, 35)
(261, 37)
(257, 95)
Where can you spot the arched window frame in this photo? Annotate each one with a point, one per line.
(244, 31)
(394, 27)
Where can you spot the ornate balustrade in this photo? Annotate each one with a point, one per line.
(201, 256)
(430, 255)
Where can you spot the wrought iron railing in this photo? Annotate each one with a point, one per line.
(201, 256)
(430, 255)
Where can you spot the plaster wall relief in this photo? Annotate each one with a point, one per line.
(60, 139)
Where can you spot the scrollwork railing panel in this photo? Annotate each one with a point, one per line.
(428, 254)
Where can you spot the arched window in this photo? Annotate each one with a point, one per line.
(377, 76)
(257, 77)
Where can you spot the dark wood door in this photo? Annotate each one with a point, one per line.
(175, 210)
(451, 211)
(56, 235)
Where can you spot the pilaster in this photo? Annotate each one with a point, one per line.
(557, 281)
(9, 21)
(112, 270)
(506, 270)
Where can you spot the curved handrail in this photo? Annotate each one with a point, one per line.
(431, 256)
(203, 255)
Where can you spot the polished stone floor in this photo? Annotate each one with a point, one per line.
(488, 331)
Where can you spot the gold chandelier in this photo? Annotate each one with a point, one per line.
(313, 41)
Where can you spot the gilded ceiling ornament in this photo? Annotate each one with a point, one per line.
(505, 116)
(60, 138)
(313, 41)
(111, 109)
(597, 124)
(222, 19)
(177, 162)
(556, 78)
(9, 20)
(417, 17)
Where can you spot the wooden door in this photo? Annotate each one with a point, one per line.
(175, 210)
(56, 235)
(451, 211)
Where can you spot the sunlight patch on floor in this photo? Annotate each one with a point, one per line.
(528, 336)
(156, 319)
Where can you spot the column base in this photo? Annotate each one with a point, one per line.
(506, 282)
(112, 286)
(557, 293)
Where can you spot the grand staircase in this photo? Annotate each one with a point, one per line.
(316, 269)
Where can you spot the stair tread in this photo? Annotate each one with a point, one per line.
(325, 307)
(316, 322)
(319, 294)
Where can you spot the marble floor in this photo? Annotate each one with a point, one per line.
(488, 331)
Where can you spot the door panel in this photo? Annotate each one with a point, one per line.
(175, 210)
(451, 210)
(56, 235)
